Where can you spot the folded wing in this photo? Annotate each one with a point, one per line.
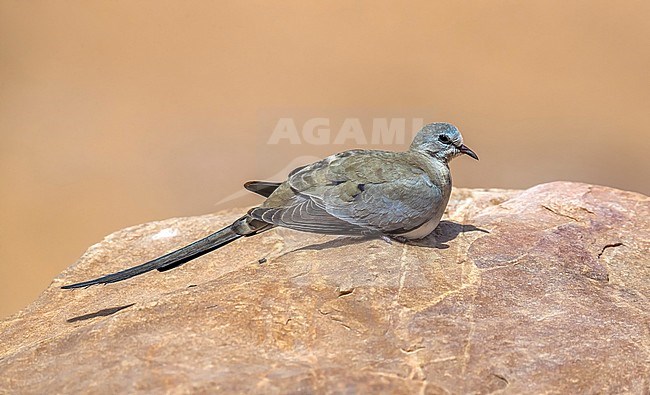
(353, 193)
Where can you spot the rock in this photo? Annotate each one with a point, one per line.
(544, 290)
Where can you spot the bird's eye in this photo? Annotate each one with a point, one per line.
(444, 139)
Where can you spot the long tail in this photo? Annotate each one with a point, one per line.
(245, 226)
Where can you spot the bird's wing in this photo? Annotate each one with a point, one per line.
(306, 214)
(355, 192)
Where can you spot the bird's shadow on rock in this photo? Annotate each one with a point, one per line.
(100, 313)
(445, 232)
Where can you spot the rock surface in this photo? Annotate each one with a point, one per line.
(544, 290)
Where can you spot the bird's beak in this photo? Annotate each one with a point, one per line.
(465, 150)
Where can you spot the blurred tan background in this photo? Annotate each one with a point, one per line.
(114, 113)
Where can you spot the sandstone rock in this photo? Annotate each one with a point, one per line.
(544, 290)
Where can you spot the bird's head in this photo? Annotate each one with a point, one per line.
(441, 140)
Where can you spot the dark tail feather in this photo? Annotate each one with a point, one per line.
(264, 188)
(185, 254)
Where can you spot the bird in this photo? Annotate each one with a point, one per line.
(392, 195)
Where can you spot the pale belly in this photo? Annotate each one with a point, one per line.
(423, 230)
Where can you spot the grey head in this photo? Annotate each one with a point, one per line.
(442, 141)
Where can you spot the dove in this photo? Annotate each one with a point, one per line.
(394, 195)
